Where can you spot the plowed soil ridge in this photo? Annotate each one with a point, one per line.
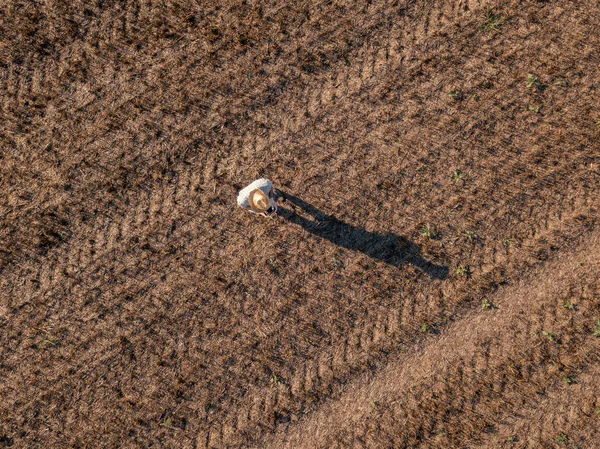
(527, 354)
(140, 307)
(105, 231)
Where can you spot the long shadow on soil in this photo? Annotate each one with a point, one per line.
(390, 248)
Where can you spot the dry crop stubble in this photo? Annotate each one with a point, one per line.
(487, 370)
(153, 288)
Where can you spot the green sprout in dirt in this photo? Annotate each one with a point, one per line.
(597, 410)
(492, 22)
(535, 109)
(428, 231)
(454, 94)
(532, 81)
(275, 379)
(470, 235)
(569, 305)
(425, 328)
(486, 304)
(549, 336)
(596, 331)
(463, 270)
(168, 424)
(562, 438)
(458, 176)
(508, 241)
(569, 380)
(598, 123)
(512, 439)
(47, 341)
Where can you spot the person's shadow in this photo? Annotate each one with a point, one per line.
(390, 248)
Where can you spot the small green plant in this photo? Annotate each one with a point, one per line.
(453, 93)
(168, 424)
(549, 336)
(569, 380)
(470, 235)
(221, 155)
(428, 231)
(458, 176)
(463, 270)
(532, 81)
(425, 328)
(47, 341)
(597, 410)
(598, 123)
(508, 241)
(512, 439)
(491, 23)
(486, 304)
(569, 305)
(275, 379)
(535, 109)
(562, 438)
(596, 331)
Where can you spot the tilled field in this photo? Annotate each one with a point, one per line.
(432, 280)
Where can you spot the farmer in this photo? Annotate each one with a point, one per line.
(259, 198)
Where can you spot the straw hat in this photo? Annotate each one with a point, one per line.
(259, 202)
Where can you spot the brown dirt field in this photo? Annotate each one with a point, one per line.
(140, 307)
(471, 377)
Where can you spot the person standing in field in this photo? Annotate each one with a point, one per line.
(259, 198)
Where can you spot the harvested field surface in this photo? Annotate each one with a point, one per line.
(432, 280)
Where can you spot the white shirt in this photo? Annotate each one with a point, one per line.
(262, 184)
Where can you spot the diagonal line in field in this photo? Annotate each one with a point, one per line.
(437, 354)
